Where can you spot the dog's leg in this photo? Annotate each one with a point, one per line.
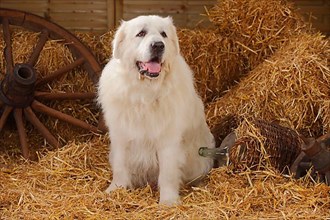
(171, 160)
(118, 160)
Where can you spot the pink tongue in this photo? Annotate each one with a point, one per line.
(152, 67)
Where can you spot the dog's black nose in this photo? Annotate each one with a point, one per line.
(157, 46)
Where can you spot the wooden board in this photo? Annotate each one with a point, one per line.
(318, 11)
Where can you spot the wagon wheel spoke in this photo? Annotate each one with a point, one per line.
(8, 48)
(64, 96)
(43, 37)
(21, 132)
(60, 72)
(39, 107)
(33, 119)
(4, 116)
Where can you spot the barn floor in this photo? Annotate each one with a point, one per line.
(68, 183)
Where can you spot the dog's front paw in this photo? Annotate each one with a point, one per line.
(169, 202)
(169, 198)
(113, 186)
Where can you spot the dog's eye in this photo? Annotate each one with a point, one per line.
(141, 33)
(163, 34)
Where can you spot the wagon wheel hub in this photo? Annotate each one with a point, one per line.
(17, 88)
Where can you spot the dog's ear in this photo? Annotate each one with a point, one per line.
(174, 39)
(118, 40)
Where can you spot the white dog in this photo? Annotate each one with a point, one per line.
(155, 118)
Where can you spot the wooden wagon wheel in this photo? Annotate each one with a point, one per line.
(22, 89)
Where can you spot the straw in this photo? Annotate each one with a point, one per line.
(290, 88)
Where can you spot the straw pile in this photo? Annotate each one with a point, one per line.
(99, 45)
(257, 27)
(68, 183)
(292, 87)
(214, 74)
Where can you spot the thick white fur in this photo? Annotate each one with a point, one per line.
(156, 126)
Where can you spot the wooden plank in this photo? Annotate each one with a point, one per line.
(151, 10)
(185, 13)
(180, 20)
(111, 14)
(149, 2)
(316, 10)
(38, 7)
(119, 9)
(71, 6)
(319, 9)
(83, 15)
(80, 17)
(209, 3)
(161, 9)
(309, 2)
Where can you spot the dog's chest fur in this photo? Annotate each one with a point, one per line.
(147, 112)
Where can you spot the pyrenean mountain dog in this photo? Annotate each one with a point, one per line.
(155, 118)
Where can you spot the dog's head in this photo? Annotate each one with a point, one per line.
(146, 44)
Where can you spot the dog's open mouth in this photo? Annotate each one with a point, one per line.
(151, 68)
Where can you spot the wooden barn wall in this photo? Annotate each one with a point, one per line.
(38, 7)
(79, 15)
(318, 10)
(186, 13)
(101, 15)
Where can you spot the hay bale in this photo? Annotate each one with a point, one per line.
(292, 87)
(106, 42)
(257, 27)
(99, 45)
(214, 60)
